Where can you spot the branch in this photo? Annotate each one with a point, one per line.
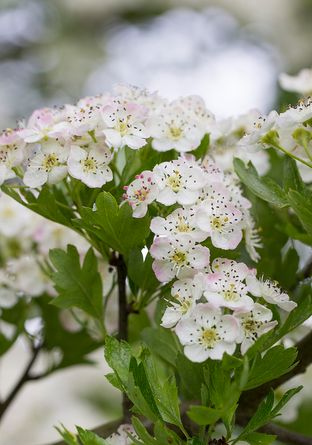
(250, 399)
(25, 377)
(286, 436)
(123, 315)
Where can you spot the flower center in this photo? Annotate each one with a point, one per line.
(50, 161)
(218, 222)
(175, 132)
(179, 258)
(174, 181)
(89, 165)
(230, 294)
(210, 337)
(182, 225)
(122, 127)
(141, 194)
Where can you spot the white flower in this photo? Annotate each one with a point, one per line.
(295, 115)
(270, 292)
(11, 153)
(42, 124)
(222, 222)
(14, 218)
(180, 222)
(179, 181)
(253, 324)
(300, 83)
(141, 192)
(261, 126)
(124, 123)
(46, 164)
(207, 333)
(90, 165)
(225, 286)
(27, 277)
(177, 257)
(121, 437)
(185, 293)
(175, 128)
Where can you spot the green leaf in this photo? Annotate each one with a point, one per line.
(267, 411)
(302, 207)
(291, 176)
(118, 356)
(162, 342)
(263, 187)
(141, 431)
(90, 438)
(140, 271)
(190, 375)
(276, 362)
(77, 286)
(203, 415)
(68, 437)
(116, 225)
(260, 439)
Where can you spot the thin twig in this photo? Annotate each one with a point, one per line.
(286, 436)
(25, 377)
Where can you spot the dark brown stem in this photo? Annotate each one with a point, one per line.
(123, 315)
(286, 436)
(25, 377)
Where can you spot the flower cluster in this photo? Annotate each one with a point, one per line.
(80, 140)
(208, 204)
(214, 311)
(290, 132)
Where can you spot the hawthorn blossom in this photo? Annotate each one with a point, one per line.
(179, 181)
(47, 164)
(124, 122)
(226, 287)
(43, 124)
(185, 293)
(177, 257)
(253, 140)
(26, 276)
(207, 333)
(180, 222)
(300, 83)
(174, 128)
(122, 436)
(254, 323)
(11, 153)
(90, 166)
(270, 292)
(14, 218)
(141, 192)
(223, 223)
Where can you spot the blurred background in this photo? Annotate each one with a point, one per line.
(53, 52)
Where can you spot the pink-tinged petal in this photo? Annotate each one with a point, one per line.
(186, 330)
(227, 241)
(229, 328)
(160, 248)
(163, 270)
(199, 257)
(158, 226)
(196, 353)
(140, 210)
(170, 318)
